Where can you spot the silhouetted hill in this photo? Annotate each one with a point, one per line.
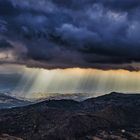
(114, 98)
(106, 117)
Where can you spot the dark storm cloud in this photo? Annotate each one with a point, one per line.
(123, 5)
(5, 45)
(84, 33)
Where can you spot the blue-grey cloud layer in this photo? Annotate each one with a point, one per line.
(84, 33)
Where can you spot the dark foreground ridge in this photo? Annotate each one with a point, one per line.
(114, 116)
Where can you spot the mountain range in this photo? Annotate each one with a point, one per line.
(7, 101)
(114, 116)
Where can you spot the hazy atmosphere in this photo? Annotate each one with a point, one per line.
(26, 82)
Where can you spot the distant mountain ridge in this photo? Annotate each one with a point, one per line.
(94, 103)
(67, 96)
(7, 101)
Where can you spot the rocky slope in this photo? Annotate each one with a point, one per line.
(113, 116)
(7, 137)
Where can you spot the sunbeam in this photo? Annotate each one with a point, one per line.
(39, 83)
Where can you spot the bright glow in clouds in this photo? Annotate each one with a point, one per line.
(36, 83)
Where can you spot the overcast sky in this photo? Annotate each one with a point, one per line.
(101, 34)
